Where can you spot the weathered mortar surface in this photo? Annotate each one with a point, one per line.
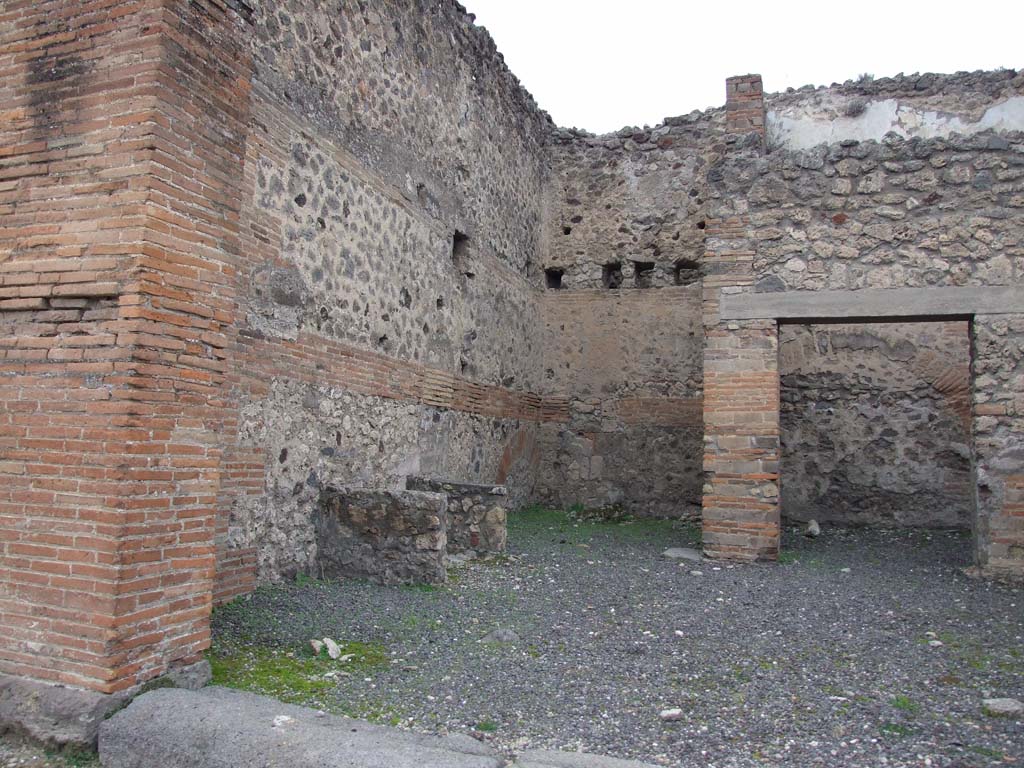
(875, 424)
(390, 537)
(629, 363)
(632, 196)
(915, 213)
(923, 106)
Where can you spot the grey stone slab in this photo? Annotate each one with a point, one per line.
(682, 553)
(53, 715)
(223, 728)
(871, 304)
(540, 758)
(1003, 707)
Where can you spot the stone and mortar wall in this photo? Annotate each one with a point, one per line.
(876, 424)
(628, 363)
(635, 197)
(389, 537)
(896, 213)
(477, 514)
(624, 234)
(392, 226)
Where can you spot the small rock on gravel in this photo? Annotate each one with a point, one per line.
(501, 635)
(333, 650)
(682, 553)
(1003, 707)
(813, 529)
(671, 715)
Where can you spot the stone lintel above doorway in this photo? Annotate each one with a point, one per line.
(873, 304)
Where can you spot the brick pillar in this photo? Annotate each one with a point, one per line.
(123, 128)
(741, 376)
(998, 418)
(741, 441)
(744, 105)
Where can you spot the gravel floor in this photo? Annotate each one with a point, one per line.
(862, 648)
(16, 754)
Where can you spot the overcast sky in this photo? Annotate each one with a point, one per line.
(601, 65)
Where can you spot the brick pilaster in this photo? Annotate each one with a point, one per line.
(744, 106)
(126, 126)
(741, 377)
(741, 441)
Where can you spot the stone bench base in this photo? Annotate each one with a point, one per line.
(390, 537)
(477, 514)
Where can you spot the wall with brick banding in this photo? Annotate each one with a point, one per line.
(252, 250)
(628, 364)
(388, 321)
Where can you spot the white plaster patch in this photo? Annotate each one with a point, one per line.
(807, 126)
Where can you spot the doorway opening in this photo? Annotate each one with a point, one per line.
(875, 425)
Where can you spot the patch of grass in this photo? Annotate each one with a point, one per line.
(741, 674)
(303, 580)
(486, 726)
(896, 729)
(905, 703)
(788, 558)
(294, 676)
(995, 754)
(75, 757)
(540, 522)
(378, 713)
(426, 589)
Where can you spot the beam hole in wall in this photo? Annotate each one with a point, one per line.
(553, 277)
(460, 251)
(686, 272)
(643, 273)
(611, 275)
